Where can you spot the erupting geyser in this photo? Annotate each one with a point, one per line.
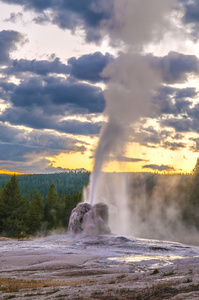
(87, 219)
(131, 90)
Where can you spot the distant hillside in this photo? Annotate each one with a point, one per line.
(67, 183)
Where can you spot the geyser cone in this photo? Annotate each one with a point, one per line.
(87, 219)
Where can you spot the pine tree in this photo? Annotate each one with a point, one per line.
(51, 208)
(13, 209)
(190, 211)
(35, 214)
(61, 210)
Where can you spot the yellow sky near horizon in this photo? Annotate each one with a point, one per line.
(182, 161)
(40, 45)
(7, 172)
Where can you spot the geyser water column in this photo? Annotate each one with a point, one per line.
(109, 138)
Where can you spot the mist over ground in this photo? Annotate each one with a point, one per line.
(151, 206)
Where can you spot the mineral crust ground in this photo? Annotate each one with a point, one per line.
(97, 267)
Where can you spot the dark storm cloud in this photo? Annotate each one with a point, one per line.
(191, 15)
(186, 93)
(194, 112)
(174, 146)
(37, 119)
(149, 139)
(174, 101)
(159, 168)
(195, 147)
(8, 41)
(126, 159)
(41, 101)
(188, 121)
(8, 134)
(175, 67)
(79, 128)
(41, 165)
(71, 14)
(180, 125)
(123, 159)
(20, 145)
(129, 159)
(79, 97)
(14, 152)
(89, 67)
(42, 67)
(6, 90)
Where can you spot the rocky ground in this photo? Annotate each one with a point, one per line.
(97, 267)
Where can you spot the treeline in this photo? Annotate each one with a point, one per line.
(167, 200)
(21, 216)
(67, 183)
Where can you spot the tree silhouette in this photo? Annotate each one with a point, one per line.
(13, 209)
(51, 208)
(35, 214)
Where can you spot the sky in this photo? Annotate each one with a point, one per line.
(68, 67)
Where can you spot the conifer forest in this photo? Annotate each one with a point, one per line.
(33, 204)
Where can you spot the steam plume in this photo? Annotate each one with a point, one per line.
(132, 80)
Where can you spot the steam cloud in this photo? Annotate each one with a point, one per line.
(133, 81)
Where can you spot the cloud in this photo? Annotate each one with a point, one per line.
(195, 147)
(42, 92)
(8, 42)
(174, 101)
(87, 14)
(14, 17)
(24, 150)
(125, 159)
(42, 100)
(14, 152)
(38, 140)
(89, 67)
(175, 67)
(40, 165)
(129, 159)
(159, 168)
(187, 121)
(174, 146)
(188, 92)
(42, 67)
(37, 119)
(161, 138)
(191, 12)
(101, 18)
(147, 138)
(191, 17)
(180, 125)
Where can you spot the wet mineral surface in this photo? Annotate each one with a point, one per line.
(98, 267)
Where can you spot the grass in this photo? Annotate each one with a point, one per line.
(188, 280)
(112, 282)
(97, 293)
(13, 285)
(155, 271)
(121, 276)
